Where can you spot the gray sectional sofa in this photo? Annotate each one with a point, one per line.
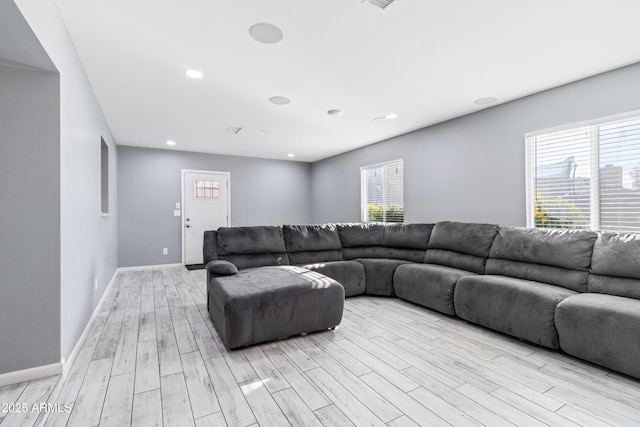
(577, 291)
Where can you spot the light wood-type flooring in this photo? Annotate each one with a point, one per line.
(152, 358)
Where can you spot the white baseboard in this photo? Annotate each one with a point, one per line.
(145, 267)
(30, 374)
(68, 363)
(63, 367)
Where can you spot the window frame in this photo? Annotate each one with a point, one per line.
(364, 196)
(594, 156)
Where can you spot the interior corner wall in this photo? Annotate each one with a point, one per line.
(263, 192)
(30, 221)
(471, 168)
(87, 241)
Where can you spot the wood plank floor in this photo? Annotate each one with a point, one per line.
(152, 358)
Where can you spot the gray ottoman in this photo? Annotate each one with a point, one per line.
(267, 303)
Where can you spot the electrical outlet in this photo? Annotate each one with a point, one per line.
(95, 284)
(165, 251)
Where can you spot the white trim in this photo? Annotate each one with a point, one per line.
(68, 363)
(64, 366)
(182, 227)
(363, 194)
(585, 123)
(30, 374)
(363, 187)
(529, 181)
(144, 267)
(381, 164)
(594, 158)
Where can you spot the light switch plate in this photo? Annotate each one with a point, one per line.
(176, 212)
(177, 205)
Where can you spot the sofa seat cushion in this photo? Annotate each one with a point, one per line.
(350, 274)
(521, 308)
(602, 329)
(267, 303)
(379, 274)
(428, 285)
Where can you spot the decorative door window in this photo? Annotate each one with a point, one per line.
(203, 189)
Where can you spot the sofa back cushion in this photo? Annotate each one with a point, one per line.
(252, 246)
(308, 244)
(362, 240)
(210, 246)
(461, 245)
(555, 257)
(407, 241)
(398, 241)
(615, 265)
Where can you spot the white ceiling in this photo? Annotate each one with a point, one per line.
(426, 60)
(19, 47)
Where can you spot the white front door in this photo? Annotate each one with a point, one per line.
(205, 197)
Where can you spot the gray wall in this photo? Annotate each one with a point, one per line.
(471, 168)
(87, 241)
(30, 221)
(263, 192)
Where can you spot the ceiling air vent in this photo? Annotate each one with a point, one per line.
(382, 4)
(232, 130)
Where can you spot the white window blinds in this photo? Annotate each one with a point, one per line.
(619, 151)
(586, 177)
(382, 192)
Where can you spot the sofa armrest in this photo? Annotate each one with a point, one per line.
(221, 268)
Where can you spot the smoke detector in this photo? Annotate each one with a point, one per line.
(382, 4)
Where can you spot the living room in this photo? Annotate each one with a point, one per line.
(54, 276)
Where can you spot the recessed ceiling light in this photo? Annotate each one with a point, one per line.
(266, 33)
(279, 100)
(391, 116)
(380, 120)
(291, 155)
(194, 74)
(171, 143)
(485, 101)
(335, 112)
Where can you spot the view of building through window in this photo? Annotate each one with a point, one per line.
(586, 177)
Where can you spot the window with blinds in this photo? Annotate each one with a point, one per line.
(585, 177)
(382, 192)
